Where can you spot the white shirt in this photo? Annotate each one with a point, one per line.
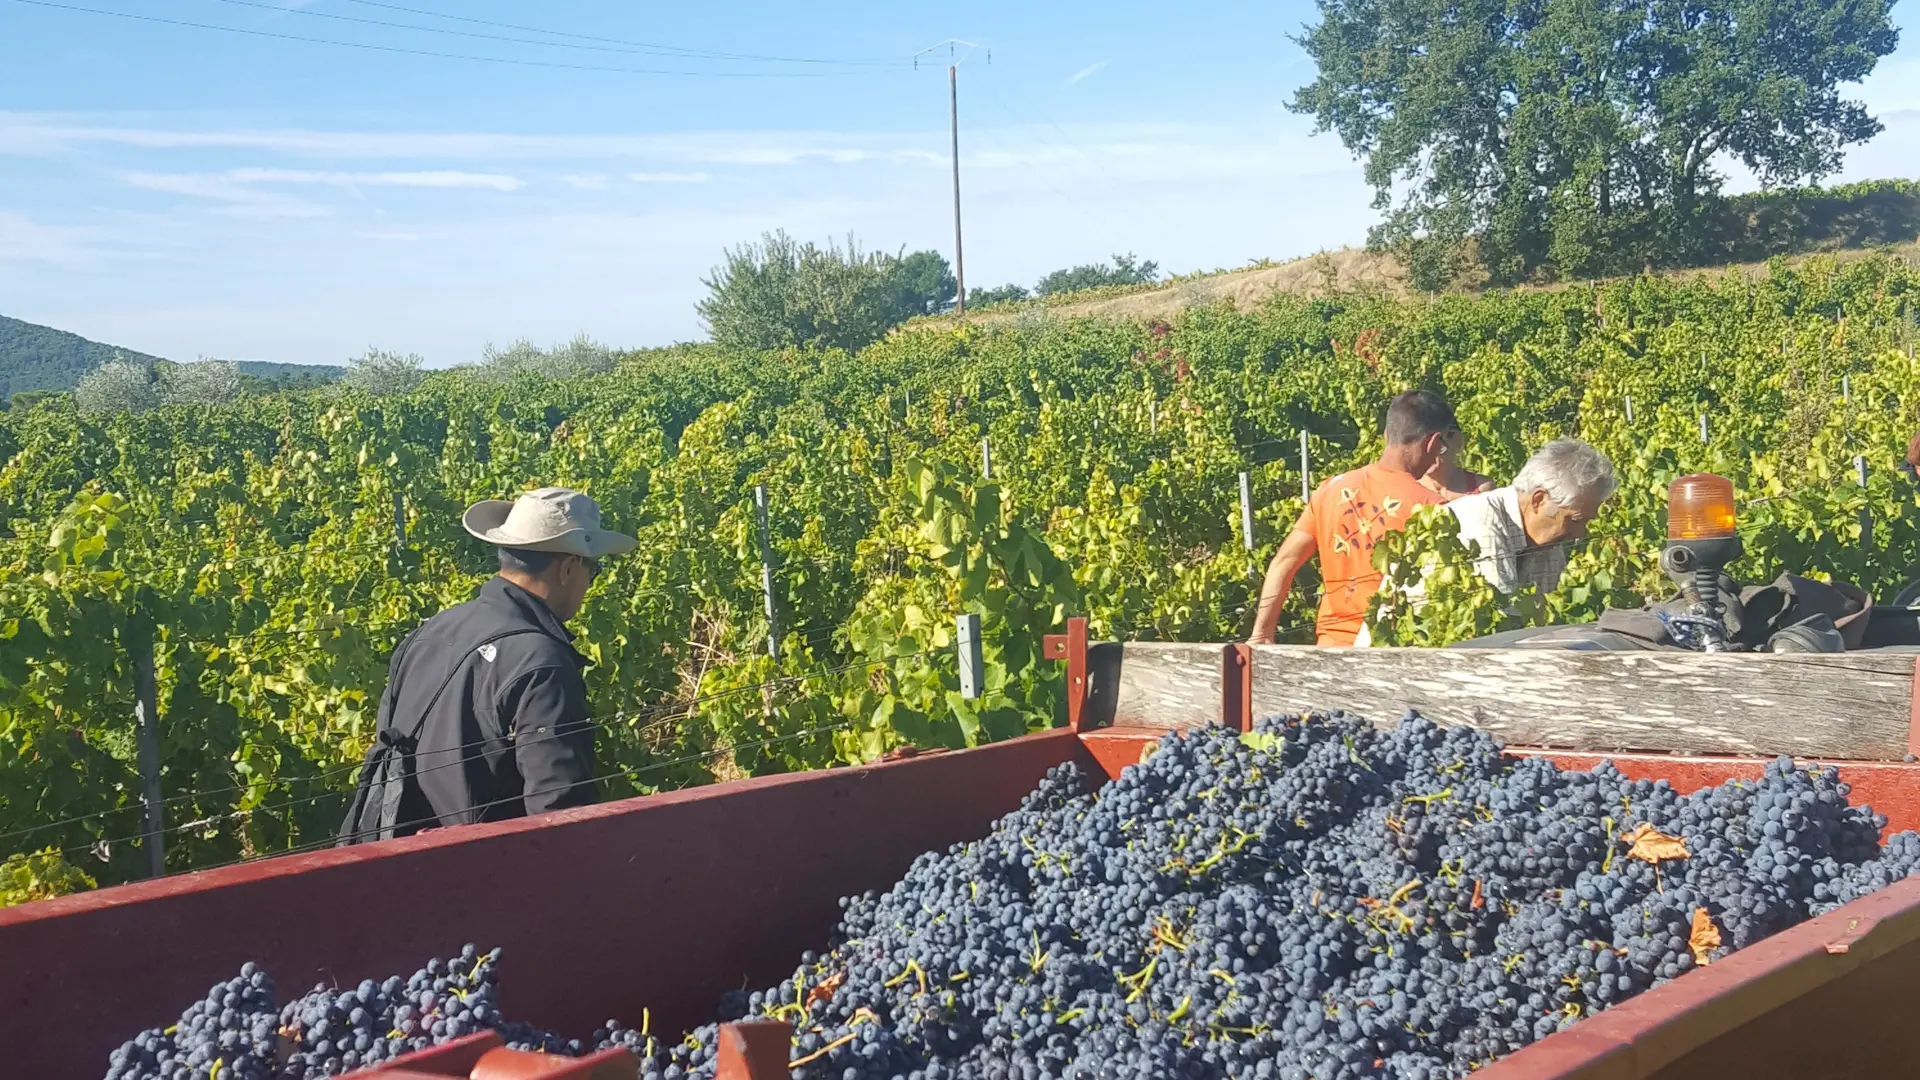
(1508, 560)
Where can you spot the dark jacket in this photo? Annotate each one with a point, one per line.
(484, 718)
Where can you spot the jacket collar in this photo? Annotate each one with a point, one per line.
(501, 593)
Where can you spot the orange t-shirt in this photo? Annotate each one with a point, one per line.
(1347, 516)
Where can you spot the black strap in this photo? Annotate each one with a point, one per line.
(389, 763)
(414, 735)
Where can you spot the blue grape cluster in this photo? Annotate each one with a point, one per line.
(1318, 899)
(240, 1032)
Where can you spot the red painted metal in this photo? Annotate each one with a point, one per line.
(1071, 647)
(754, 1050)
(504, 1064)
(1913, 711)
(1236, 686)
(664, 902)
(1076, 672)
(456, 1058)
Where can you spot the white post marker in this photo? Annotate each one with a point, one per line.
(1306, 470)
(1846, 389)
(146, 713)
(1866, 512)
(986, 460)
(1629, 398)
(1246, 510)
(1703, 429)
(967, 644)
(766, 569)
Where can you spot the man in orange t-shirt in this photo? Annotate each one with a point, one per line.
(1351, 512)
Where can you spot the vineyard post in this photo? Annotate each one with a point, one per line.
(146, 712)
(967, 645)
(399, 520)
(766, 568)
(1246, 510)
(986, 458)
(1306, 470)
(1703, 429)
(1866, 510)
(1846, 389)
(1629, 408)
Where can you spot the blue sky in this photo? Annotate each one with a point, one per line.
(188, 192)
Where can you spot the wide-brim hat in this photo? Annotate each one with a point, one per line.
(550, 519)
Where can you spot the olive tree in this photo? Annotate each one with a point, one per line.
(377, 371)
(117, 386)
(206, 382)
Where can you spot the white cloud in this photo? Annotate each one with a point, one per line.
(24, 240)
(668, 177)
(45, 134)
(237, 199)
(584, 181)
(442, 179)
(1086, 71)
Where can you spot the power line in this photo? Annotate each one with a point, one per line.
(655, 716)
(647, 50)
(427, 52)
(665, 50)
(629, 773)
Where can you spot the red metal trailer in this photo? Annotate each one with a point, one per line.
(666, 902)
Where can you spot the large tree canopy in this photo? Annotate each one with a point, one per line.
(1581, 136)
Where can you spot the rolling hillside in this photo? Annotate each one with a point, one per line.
(35, 357)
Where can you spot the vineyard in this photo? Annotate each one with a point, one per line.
(268, 555)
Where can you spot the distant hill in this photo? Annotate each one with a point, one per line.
(34, 357)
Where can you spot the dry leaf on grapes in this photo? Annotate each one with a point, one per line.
(1652, 845)
(824, 991)
(1705, 937)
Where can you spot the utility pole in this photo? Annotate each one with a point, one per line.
(955, 58)
(959, 252)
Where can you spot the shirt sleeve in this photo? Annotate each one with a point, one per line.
(553, 738)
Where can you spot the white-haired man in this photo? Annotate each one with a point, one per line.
(1525, 528)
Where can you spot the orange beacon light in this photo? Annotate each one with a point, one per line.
(1700, 507)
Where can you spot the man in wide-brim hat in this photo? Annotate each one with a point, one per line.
(485, 712)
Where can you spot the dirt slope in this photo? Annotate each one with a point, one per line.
(1345, 270)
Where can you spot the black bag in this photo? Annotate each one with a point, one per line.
(1753, 615)
(388, 788)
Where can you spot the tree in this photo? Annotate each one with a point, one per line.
(576, 359)
(1126, 270)
(384, 373)
(926, 282)
(1583, 136)
(999, 294)
(207, 382)
(779, 293)
(116, 386)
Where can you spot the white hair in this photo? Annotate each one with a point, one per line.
(1565, 469)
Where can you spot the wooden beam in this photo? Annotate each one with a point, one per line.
(1857, 706)
(1158, 684)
